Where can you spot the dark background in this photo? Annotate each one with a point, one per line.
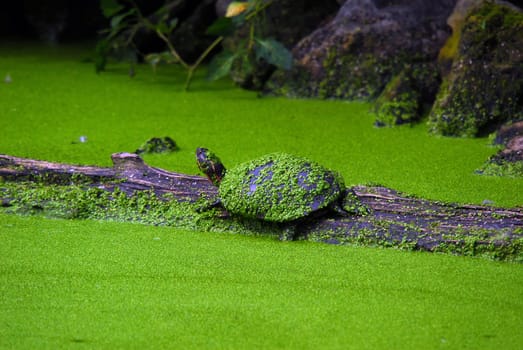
(71, 19)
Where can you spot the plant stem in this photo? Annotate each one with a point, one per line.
(258, 10)
(172, 49)
(188, 80)
(195, 65)
(208, 50)
(251, 38)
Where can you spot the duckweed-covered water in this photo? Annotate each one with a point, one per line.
(100, 284)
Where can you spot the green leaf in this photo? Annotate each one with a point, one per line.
(274, 53)
(110, 7)
(116, 20)
(172, 24)
(162, 27)
(156, 58)
(221, 27)
(162, 12)
(220, 65)
(153, 59)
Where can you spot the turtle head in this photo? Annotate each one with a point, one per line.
(210, 165)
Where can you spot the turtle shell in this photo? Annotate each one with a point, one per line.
(279, 187)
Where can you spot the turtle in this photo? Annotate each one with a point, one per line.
(278, 187)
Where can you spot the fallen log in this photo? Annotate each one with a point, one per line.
(395, 219)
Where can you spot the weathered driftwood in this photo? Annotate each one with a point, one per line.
(395, 219)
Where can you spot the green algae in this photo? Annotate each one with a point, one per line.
(506, 168)
(74, 283)
(492, 244)
(80, 201)
(68, 283)
(397, 105)
(117, 113)
(405, 97)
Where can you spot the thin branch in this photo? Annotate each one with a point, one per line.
(172, 50)
(200, 59)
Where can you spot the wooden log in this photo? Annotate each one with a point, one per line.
(395, 219)
(128, 168)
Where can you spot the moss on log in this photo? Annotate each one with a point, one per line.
(132, 190)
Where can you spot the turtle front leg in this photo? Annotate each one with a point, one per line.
(350, 204)
(209, 205)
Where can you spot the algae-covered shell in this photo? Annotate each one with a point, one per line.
(279, 187)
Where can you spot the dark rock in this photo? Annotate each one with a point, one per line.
(189, 38)
(484, 87)
(508, 161)
(50, 21)
(507, 132)
(221, 7)
(158, 145)
(364, 47)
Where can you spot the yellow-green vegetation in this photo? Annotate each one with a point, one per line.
(67, 283)
(448, 52)
(406, 96)
(510, 169)
(54, 99)
(82, 200)
(398, 103)
(112, 285)
(487, 243)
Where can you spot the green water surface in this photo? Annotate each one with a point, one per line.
(110, 285)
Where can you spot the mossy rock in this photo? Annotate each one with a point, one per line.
(406, 95)
(485, 85)
(507, 162)
(158, 145)
(360, 76)
(367, 44)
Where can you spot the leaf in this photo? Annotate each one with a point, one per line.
(274, 53)
(235, 8)
(167, 57)
(110, 7)
(221, 65)
(155, 58)
(172, 24)
(162, 12)
(162, 27)
(221, 27)
(116, 20)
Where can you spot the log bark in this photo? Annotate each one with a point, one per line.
(395, 219)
